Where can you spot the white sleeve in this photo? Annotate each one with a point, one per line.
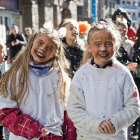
(77, 113)
(7, 102)
(131, 106)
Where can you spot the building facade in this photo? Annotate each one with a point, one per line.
(96, 9)
(106, 8)
(33, 13)
(9, 15)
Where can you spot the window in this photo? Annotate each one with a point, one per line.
(123, 2)
(113, 5)
(139, 4)
(79, 11)
(139, 15)
(129, 13)
(134, 14)
(110, 5)
(106, 4)
(128, 2)
(133, 24)
(134, 3)
(118, 1)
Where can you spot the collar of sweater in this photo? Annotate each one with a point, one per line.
(111, 63)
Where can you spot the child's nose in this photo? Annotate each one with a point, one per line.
(43, 48)
(75, 30)
(103, 48)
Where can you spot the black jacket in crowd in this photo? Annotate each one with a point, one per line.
(74, 54)
(15, 49)
(122, 56)
(136, 75)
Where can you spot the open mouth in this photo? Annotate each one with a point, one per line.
(75, 35)
(103, 55)
(38, 54)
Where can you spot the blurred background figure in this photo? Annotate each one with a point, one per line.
(15, 42)
(83, 31)
(2, 70)
(28, 33)
(118, 16)
(126, 44)
(136, 75)
(73, 46)
(33, 30)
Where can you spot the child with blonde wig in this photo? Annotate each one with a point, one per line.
(34, 89)
(103, 99)
(73, 46)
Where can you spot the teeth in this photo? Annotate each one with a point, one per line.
(103, 55)
(40, 54)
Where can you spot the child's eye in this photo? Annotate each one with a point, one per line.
(40, 43)
(49, 49)
(97, 44)
(109, 44)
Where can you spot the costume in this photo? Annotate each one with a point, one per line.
(131, 33)
(74, 54)
(136, 75)
(122, 55)
(128, 45)
(42, 109)
(103, 94)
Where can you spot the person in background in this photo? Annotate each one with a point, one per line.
(2, 56)
(83, 31)
(15, 42)
(33, 30)
(28, 33)
(136, 75)
(118, 16)
(104, 99)
(126, 43)
(73, 46)
(125, 51)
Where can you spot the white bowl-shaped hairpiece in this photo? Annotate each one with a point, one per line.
(62, 32)
(48, 26)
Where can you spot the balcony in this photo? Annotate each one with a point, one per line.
(129, 6)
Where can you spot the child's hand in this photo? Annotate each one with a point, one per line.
(131, 66)
(17, 42)
(12, 43)
(44, 133)
(106, 127)
(113, 130)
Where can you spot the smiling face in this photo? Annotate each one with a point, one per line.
(43, 49)
(102, 47)
(72, 31)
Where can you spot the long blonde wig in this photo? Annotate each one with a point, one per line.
(17, 78)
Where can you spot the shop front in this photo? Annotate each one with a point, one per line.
(9, 15)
